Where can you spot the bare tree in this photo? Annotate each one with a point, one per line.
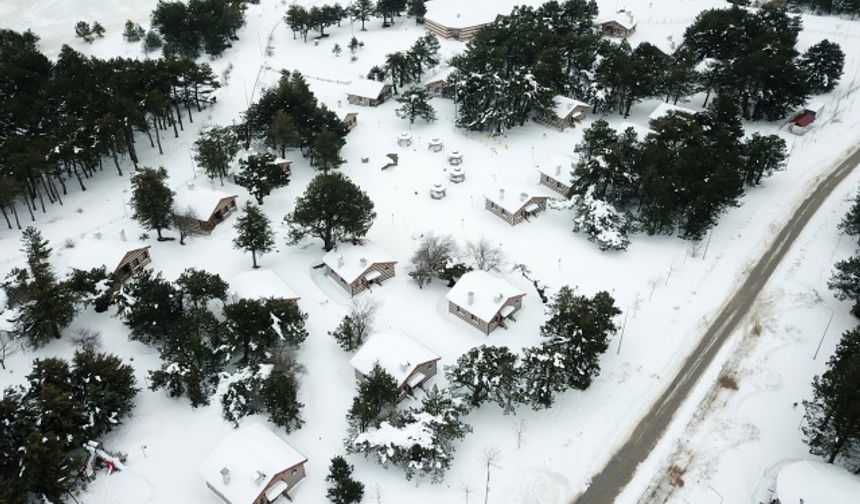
(7, 346)
(467, 490)
(519, 430)
(185, 221)
(491, 454)
(653, 282)
(485, 256)
(357, 324)
(87, 339)
(431, 257)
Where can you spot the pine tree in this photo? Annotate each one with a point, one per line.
(214, 150)
(336, 50)
(256, 327)
(578, 328)
(197, 288)
(832, 418)
(48, 306)
(150, 307)
(417, 9)
(282, 133)
(415, 103)
(133, 32)
(850, 223)
(84, 32)
(823, 64)
(356, 326)
(254, 232)
(762, 155)
(361, 10)
(342, 488)
(152, 200)
(845, 282)
(151, 42)
(423, 55)
(325, 151)
(542, 375)
(105, 387)
(486, 373)
(98, 29)
(280, 398)
(260, 175)
(376, 398)
(332, 209)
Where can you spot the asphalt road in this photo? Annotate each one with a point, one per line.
(607, 484)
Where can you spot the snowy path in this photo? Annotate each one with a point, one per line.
(611, 480)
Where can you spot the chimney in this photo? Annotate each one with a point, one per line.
(190, 185)
(558, 169)
(501, 194)
(498, 297)
(470, 297)
(363, 261)
(524, 196)
(261, 476)
(404, 366)
(340, 261)
(225, 475)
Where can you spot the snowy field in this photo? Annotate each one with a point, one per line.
(667, 293)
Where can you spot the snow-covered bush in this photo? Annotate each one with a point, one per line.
(600, 220)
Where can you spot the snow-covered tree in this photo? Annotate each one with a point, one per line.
(486, 373)
(343, 489)
(375, 401)
(356, 325)
(600, 221)
(152, 200)
(415, 103)
(255, 327)
(215, 149)
(432, 257)
(253, 232)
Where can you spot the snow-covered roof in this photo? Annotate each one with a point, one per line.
(397, 353)
(351, 261)
(261, 284)
(512, 197)
(246, 453)
(441, 75)
(623, 18)
(89, 253)
(366, 88)
(564, 105)
(664, 108)
(200, 200)
(488, 294)
(558, 168)
(813, 482)
(815, 106)
(465, 14)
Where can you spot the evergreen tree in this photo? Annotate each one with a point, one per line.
(152, 200)
(215, 150)
(356, 326)
(850, 223)
(256, 327)
(282, 133)
(280, 397)
(299, 21)
(415, 103)
(332, 209)
(98, 29)
(423, 55)
(823, 64)
(342, 488)
(47, 306)
(133, 32)
(601, 221)
(417, 9)
(254, 232)
(832, 418)
(376, 399)
(361, 10)
(197, 288)
(325, 151)
(84, 32)
(150, 307)
(762, 155)
(151, 42)
(260, 174)
(336, 50)
(105, 388)
(845, 282)
(577, 330)
(486, 373)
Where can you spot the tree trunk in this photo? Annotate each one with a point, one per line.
(15, 213)
(254, 258)
(116, 161)
(157, 135)
(158, 232)
(6, 216)
(172, 122)
(54, 189)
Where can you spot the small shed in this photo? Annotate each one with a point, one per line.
(514, 204)
(485, 301)
(664, 109)
(368, 93)
(284, 164)
(357, 267)
(349, 119)
(410, 363)
(565, 113)
(261, 284)
(437, 85)
(252, 465)
(122, 259)
(555, 173)
(802, 121)
(209, 206)
(621, 24)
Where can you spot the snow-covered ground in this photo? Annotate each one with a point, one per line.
(667, 292)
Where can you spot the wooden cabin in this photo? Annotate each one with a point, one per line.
(461, 21)
(565, 113)
(437, 85)
(485, 301)
(261, 284)
(369, 93)
(358, 267)
(620, 25)
(122, 259)
(556, 174)
(514, 205)
(350, 120)
(284, 164)
(210, 207)
(252, 465)
(410, 363)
